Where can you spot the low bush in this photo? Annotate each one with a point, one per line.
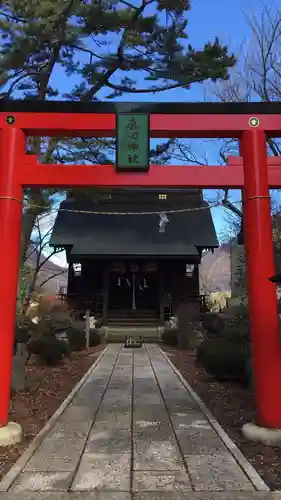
(23, 331)
(223, 359)
(44, 327)
(202, 352)
(76, 339)
(225, 353)
(44, 344)
(60, 318)
(170, 337)
(98, 324)
(213, 324)
(55, 321)
(48, 349)
(23, 328)
(95, 337)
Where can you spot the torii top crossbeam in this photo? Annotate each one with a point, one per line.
(183, 120)
(167, 120)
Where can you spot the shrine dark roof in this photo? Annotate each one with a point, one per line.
(107, 235)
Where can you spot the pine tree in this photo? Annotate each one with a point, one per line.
(103, 43)
(101, 49)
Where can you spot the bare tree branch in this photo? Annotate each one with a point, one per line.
(257, 75)
(59, 273)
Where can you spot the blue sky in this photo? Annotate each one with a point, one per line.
(206, 20)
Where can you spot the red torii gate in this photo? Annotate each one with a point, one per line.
(251, 123)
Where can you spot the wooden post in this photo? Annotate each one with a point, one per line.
(87, 328)
(262, 302)
(12, 153)
(196, 279)
(161, 295)
(105, 293)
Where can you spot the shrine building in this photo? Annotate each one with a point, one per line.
(134, 253)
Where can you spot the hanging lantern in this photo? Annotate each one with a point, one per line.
(118, 267)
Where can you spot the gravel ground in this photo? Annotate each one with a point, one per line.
(232, 405)
(49, 386)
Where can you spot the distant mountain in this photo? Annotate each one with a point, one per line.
(49, 270)
(214, 270)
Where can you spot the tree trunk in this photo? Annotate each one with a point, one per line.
(28, 222)
(30, 290)
(18, 381)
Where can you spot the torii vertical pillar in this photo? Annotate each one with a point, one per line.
(262, 301)
(12, 151)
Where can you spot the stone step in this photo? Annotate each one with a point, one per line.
(135, 331)
(133, 321)
(142, 319)
(112, 339)
(133, 311)
(134, 318)
(121, 340)
(131, 325)
(118, 334)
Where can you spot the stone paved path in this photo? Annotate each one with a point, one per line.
(134, 430)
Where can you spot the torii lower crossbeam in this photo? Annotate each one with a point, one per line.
(177, 176)
(254, 173)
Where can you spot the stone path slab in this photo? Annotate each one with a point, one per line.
(135, 430)
(161, 495)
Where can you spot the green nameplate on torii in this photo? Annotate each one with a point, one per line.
(132, 142)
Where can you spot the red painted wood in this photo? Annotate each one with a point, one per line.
(272, 161)
(160, 176)
(11, 145)
(262, 302)
(17, 170)
(103, 125)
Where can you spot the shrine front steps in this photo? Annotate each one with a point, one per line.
(150, 334)
(133, 318)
